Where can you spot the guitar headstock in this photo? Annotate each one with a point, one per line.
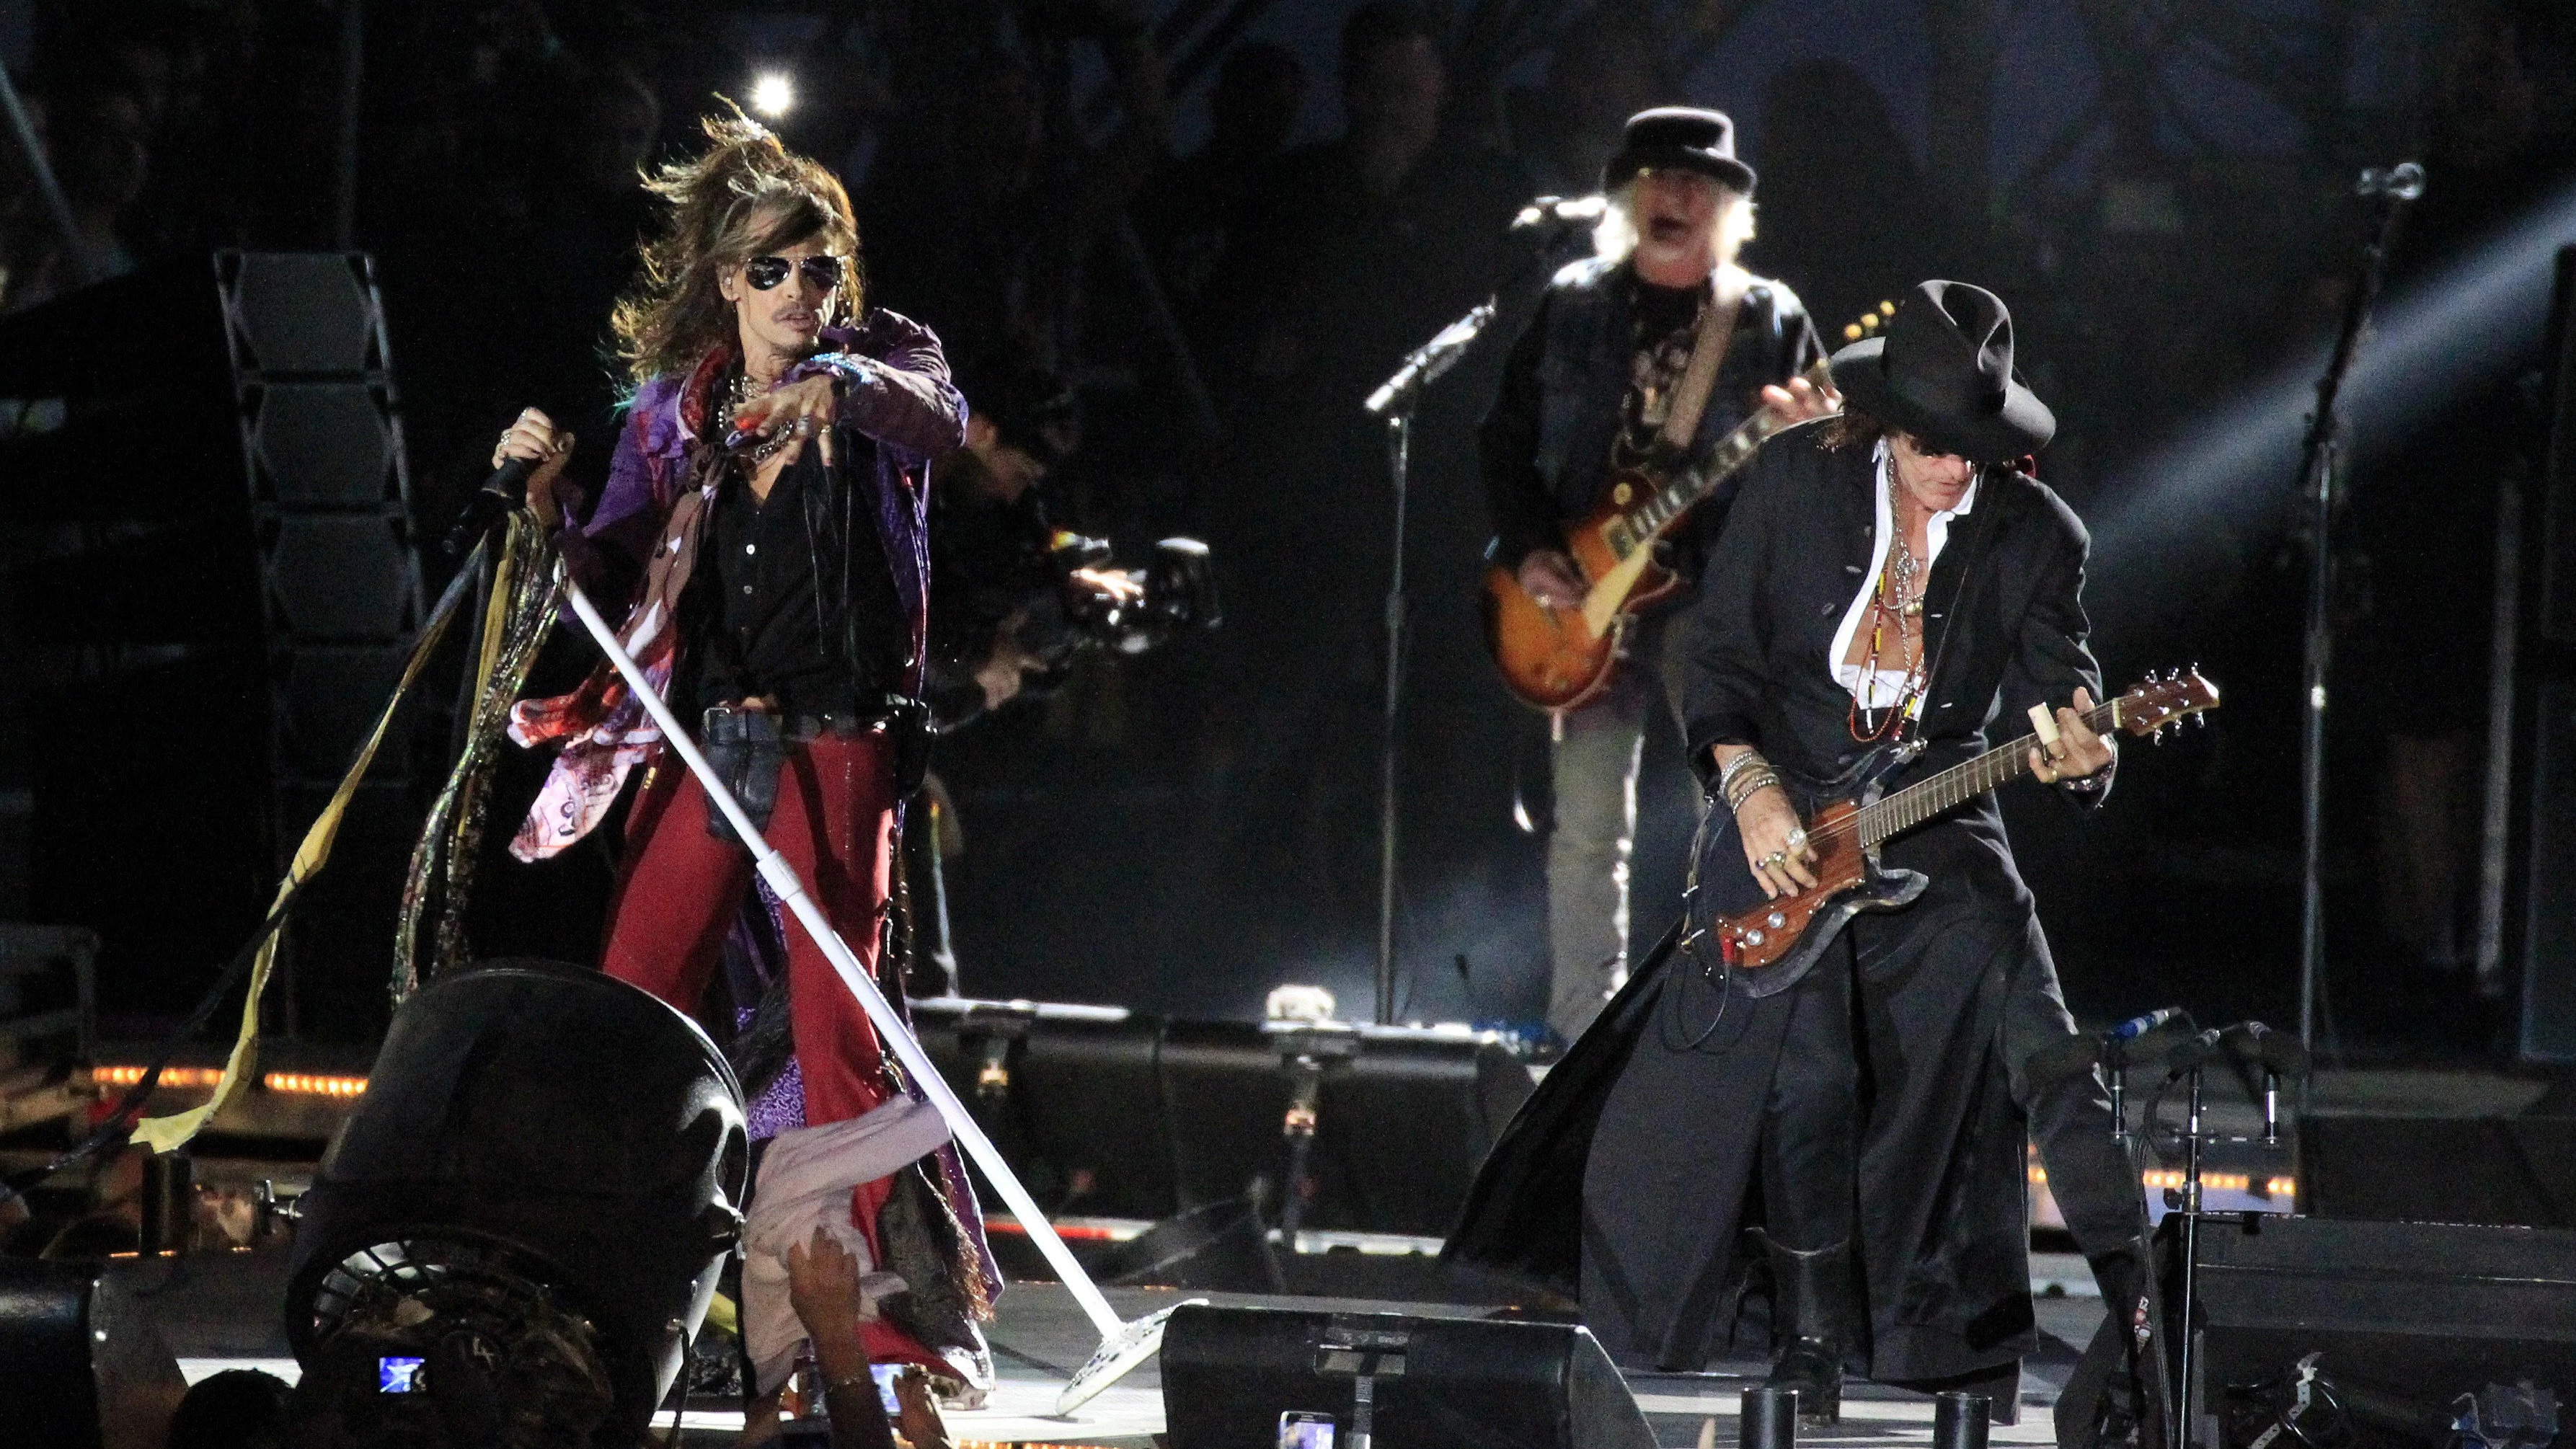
(1865, 325)
(2152, 703)
(1868, 323)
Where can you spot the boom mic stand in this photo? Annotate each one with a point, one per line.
(1394, 401)
(2319, 469)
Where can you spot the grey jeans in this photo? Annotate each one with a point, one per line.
(1595, 759)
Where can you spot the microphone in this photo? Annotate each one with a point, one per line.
(1424, 364)
(2074, 1054)
(2192, 1051)
(1557, 211)
(2401, 182)
(2271, 1050)
(506, 489)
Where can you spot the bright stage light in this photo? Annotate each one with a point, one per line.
(772, 95)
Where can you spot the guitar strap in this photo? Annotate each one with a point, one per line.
(1708, 354)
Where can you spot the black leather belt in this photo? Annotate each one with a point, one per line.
(748, 749)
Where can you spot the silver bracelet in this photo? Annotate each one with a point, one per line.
(1737, 766)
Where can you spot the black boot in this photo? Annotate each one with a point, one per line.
(1811, 1289)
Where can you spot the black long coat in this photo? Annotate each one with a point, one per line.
(1656, 1113)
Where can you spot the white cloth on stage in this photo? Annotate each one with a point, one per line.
(805, 1181)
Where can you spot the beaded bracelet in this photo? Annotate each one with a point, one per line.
(1752, 785)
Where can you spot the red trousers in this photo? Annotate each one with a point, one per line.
(680, 888)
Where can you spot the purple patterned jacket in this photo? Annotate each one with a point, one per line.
(894, 388)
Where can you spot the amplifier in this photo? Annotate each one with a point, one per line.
(1112, 1113)
(2415, 1313)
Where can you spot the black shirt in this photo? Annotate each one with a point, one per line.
(772, 616)
(1665, 331)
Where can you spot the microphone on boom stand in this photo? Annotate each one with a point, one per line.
(505, 490)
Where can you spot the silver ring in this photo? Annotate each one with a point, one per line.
(804, 427)
(1797, 837)
(1773, 860)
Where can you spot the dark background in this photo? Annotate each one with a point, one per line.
(2161, 192)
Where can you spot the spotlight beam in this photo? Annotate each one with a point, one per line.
(2469, 324)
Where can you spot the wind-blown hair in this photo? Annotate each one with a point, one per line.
(1614, 237)
(746, 196)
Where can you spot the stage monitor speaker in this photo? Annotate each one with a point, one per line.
(2411, 1313)
(2501, 1171)
(1238, 1377)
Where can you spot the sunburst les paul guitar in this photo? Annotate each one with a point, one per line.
(1781, 938)
(1561, 658)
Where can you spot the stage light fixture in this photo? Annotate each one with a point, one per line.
(773, 95)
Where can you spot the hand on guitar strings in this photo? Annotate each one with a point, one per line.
(2074, 751)
(1549, 577)
(1775, 841)
(1797, 400)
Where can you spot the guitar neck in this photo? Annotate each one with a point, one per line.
(1649, 518)
(1924, 799)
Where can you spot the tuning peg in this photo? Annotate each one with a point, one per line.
(2156, 736)
(1851, 332)
(2201, 720)
(1887, 309)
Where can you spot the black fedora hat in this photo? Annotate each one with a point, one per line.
(1689, 138)
(1943, 371)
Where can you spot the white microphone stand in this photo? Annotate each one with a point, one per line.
(1123, 1344)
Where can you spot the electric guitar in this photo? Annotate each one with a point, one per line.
(1561, 658)
(1782, 938)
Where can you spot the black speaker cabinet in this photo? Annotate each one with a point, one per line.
(2413, 1312)
(1108, 1113)
(1068, 1093)
(1233, 1378)
(2503, 1171)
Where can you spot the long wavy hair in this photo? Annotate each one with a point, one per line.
(745, 196)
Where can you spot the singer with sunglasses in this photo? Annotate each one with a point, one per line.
(764, 516)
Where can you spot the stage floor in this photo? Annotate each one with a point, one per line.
(1041, 1337)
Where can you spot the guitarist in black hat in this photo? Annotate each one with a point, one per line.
(1890, 583)
(1600, 388)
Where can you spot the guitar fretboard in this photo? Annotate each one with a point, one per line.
(1646, 521)
(1924, 799)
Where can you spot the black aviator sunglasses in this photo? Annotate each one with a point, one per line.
(822, 273)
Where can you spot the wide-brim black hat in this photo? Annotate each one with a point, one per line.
(1943, 371)
(1687, 138)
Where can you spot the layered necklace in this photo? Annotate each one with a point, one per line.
(742, 391)
(1895, 623)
